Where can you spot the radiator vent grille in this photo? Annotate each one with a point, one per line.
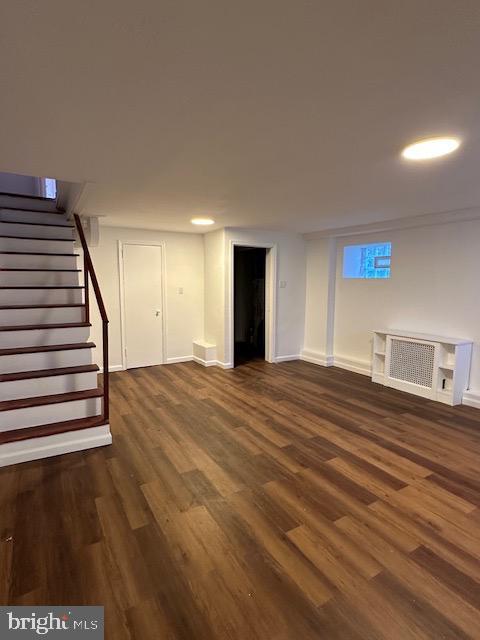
(412, 362)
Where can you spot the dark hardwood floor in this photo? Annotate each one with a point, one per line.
(267, 502)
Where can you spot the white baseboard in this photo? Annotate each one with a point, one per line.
(205, 363)
(48, 446)
(229, 365)
(316, 357)
(179, 359)
(471, 399)
(224, 365)
(211, 363)
(113, 367)
(351, 364)
(287, 358)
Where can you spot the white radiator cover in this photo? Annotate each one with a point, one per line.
(430, 366)
(411, 365)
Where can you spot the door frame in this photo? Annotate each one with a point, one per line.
(270, 299)
(121, 263)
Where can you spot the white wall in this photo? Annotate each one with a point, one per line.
(68, 195)
(433, 289)
(200, 264)
(184, 258)
(214, 244)
(290, 310)
(319, 301)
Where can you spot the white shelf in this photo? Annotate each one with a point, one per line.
(447, 367)
(422, 336)
(447, 370)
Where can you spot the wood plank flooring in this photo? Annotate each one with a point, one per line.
(269, 502)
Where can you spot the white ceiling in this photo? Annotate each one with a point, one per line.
(260, 113)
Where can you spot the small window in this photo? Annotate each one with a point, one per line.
(49, 188)
(367, 260)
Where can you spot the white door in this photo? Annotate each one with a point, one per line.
(143, 313)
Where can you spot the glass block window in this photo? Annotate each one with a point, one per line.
(367, 260)
(50, 188)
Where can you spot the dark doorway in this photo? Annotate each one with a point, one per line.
(249, 304)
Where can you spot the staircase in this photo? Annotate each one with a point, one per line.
(50, 401)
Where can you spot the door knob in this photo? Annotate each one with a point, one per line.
(157, 313)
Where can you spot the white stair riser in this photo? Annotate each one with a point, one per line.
(40, 278)
(41, 296)
(35, 231)
(50, 385)
(26, 261)
(54, 315)
(42, 245)
(37, 338)
(45, 360)
(50, 413)
(58, 444)
(11, 215)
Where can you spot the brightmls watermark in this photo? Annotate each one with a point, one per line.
(25, 623)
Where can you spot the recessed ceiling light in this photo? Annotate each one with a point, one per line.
(430, 148)
(202, 221)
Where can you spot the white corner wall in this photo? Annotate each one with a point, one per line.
(214, 246)
(290, 299)
(319, 301)
(432, 289)
(290, 312)
(184, 259)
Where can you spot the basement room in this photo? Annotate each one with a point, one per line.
(239, 320)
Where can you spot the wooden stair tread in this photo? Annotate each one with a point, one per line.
(33, 238)
(37, 253)
(46, 286)
(41, 306)
(45, 348)
(33, 327)
(17, 435)
(47, 373)
(42, 270)
(39, 401)
(26, 196)
(39, 224)
(55, 405)
(28, 210)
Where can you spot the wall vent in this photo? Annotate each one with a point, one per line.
(412, 362)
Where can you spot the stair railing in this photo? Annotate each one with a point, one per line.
(89, 273)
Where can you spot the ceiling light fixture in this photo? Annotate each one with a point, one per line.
(202, 221)
(430, 148)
